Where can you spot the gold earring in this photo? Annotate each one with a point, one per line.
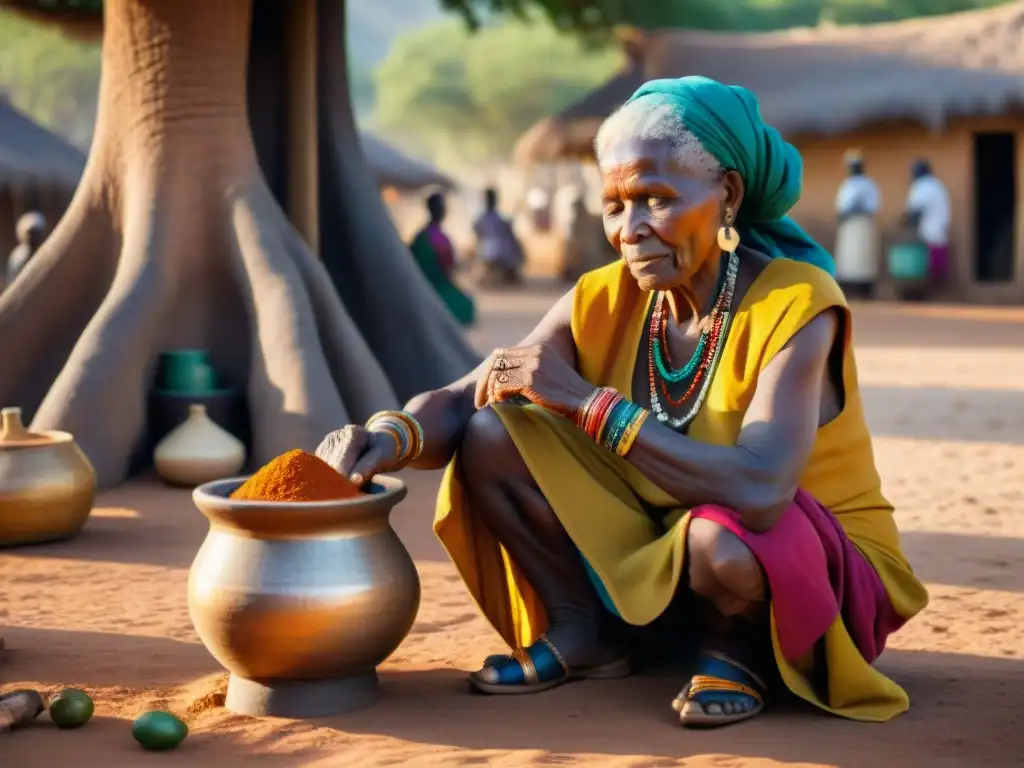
(728, 237)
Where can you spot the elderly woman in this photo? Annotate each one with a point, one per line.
(684, 427)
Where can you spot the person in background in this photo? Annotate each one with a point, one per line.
(538, 203)
(497, 248)
(856, 253)
(31, 231)
(928, 211)
(435, 255)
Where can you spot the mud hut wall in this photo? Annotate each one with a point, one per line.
(889, 150)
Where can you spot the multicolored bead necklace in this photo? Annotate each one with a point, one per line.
(702, 364)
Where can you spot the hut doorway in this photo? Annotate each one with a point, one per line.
(995, 206)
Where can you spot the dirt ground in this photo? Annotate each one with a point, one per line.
(944, 389)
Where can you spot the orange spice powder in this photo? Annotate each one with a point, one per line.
(297, 476)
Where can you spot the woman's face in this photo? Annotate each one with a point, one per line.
(663, 219)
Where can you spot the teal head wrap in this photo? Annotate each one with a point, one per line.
(726, 119)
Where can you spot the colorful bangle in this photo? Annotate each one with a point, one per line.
(632, 429)
(609, 424)
(613, 403)
(611, 420)
(614, 435)
(595, 416)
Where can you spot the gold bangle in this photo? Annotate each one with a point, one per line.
(582, 414)
(403, 443)
(630, 434)
(397, 430)
(414, 424)
(376, 417)
(407, 420)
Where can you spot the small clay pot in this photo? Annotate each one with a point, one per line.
(198, 451)
(47, 485)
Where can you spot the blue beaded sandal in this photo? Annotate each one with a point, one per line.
(720, 680)
(538, 668)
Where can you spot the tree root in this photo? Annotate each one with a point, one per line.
(344, 346)
(290, 384)
(382, 288)
(239, 282)
(100, 395)
(45, 310)
(174, 241)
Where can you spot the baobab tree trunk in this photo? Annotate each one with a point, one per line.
(174, 239)
(413, 335)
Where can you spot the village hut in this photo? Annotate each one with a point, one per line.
(946, 88)
(38, 171)
(397, 171)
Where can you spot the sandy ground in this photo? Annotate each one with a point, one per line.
(945, 395)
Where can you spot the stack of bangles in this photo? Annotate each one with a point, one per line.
(404, 428)
(611, 420)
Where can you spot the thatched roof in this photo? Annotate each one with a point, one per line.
(31, 154)
(394, 169)
(825, 80)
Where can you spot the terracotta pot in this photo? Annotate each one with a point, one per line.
(197, 451)
(47, 485)
(301, 601)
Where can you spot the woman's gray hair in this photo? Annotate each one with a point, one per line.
(650, 120)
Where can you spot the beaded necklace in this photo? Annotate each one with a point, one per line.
(709, 350)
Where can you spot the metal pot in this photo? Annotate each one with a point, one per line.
(47, 485)
(301, 601)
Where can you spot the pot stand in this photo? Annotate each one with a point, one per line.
(302, 699)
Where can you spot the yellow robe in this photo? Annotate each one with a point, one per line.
(639, 564)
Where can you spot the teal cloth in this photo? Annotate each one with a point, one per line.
(726, 119)
(458, 303)
(600, 588)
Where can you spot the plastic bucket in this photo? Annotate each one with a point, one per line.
(908, 261)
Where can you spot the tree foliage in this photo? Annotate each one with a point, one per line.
(599, 16)
(518, 69)
(470, 95)
(54, 79)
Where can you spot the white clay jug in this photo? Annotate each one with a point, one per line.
(198, 451)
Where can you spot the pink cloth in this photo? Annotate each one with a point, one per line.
(443, 248)
(938, 263)
(815, 573)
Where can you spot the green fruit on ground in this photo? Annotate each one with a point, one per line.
(159, 731)
(71, 708)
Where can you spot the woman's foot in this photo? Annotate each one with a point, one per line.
(558, 657)
(19, 707)
(722, 692)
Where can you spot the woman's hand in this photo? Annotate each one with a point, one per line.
(359, 454)
(539, 374)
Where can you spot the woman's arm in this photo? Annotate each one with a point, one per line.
(443, 413)
(757, 477)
